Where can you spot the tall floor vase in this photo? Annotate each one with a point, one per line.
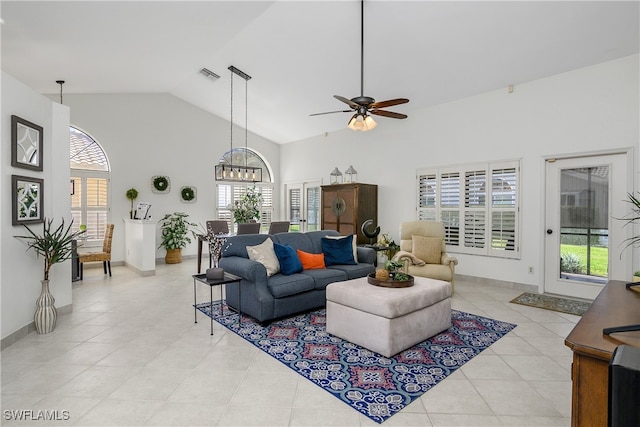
(46, 315)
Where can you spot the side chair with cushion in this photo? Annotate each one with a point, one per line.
(423, 251)
(104, 256)
(248, 228)
(279, 227)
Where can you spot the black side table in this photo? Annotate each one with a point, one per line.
(228, 278)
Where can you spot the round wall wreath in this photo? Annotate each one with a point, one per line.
(160, 184)
(188, 194)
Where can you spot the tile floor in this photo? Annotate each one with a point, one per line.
(130, 354)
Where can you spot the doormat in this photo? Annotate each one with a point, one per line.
(562, 305)
(373, 385)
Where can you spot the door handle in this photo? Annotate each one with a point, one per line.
(549, 231)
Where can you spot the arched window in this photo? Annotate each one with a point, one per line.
(90, 182)
(230, 191)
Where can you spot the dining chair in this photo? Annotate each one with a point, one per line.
(279, 227)
(248, 228)
(217, 226)
(104, 256)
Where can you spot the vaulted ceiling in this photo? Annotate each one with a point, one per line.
(301, 53)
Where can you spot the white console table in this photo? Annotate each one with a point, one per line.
(140, 245)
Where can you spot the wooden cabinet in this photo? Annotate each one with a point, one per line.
(346, 206)
(592, 351)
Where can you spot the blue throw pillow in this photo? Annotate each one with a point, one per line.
(289, 261)
(338, 251)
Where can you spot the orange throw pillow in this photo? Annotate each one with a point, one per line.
(310, 261)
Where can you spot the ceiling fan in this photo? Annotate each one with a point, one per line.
(364, 106)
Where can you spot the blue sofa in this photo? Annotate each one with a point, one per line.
(268, 298)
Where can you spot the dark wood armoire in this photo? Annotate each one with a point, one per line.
(346, 206)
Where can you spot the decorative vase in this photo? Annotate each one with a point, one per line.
(174, 256)
(215, 273)
(46, 314)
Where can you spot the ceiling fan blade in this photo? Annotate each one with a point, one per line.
(388, 114)
(331, 112)
(349, 102)
(389, 103)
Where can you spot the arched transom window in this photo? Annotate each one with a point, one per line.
(90, 181)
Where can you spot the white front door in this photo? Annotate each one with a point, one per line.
(585, 197)
(303, 205)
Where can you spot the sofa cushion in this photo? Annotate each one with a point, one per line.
(428, 249)
(265, 255)
(296, 240)
(288, 258)
(355, 271)
(310, 261)
(353, 243)
(323, 277)
(237, 245)
(338, 251)
(283, 286)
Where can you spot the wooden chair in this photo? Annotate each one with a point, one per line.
(248, 228)
(279, 227)
(104, 256)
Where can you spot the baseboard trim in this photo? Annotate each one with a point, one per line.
(501, 283)
(27, 329)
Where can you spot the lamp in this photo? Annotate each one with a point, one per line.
(350, 175)
(336, 176)
(362, 122)
(225, 170)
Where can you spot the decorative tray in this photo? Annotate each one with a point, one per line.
(390, 283)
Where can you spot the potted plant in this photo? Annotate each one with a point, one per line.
(631, 219)
(131, 194)
(175, 235)
(55, 245)
(247, 209)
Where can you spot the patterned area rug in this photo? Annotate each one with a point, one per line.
(562, 305)
(372, 384)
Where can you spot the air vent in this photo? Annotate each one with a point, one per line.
(208, 73)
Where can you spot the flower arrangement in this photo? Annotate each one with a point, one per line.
(216, 243)
(385, 240)
(247, 209)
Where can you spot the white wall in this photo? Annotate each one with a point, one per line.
(590, 109)
(158, 134)
(20, 271)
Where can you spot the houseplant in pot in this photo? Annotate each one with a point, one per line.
(175, 235)
(55, 244)
(247, 209)
(132, 194)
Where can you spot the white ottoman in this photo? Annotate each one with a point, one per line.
(388, 320)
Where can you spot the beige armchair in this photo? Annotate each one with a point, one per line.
(423, 251)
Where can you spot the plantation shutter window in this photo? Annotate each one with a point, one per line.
(478, 205)
(90, 186)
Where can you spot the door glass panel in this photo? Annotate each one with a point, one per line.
(294, 209)
(584, 224)
(313, 208)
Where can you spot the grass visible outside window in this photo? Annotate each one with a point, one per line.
(599, 258)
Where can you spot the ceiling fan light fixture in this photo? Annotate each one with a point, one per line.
(361, 122)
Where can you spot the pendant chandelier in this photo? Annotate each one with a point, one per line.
(226, 170)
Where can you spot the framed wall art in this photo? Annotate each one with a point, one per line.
(27, 195)
(26, 144)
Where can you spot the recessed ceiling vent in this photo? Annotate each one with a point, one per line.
(208, 73)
